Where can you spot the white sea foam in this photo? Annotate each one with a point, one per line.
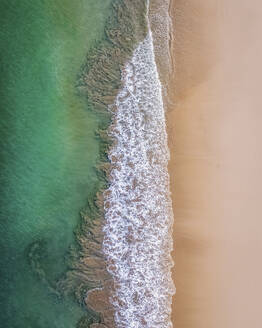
(138, 211)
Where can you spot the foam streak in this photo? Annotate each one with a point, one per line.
(138, 211)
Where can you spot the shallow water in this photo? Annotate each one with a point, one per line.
(48, 153)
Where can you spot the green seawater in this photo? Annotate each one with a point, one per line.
(48, 152)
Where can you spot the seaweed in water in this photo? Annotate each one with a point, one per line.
(100, 78)
(99, 81)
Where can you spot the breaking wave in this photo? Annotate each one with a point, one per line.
(138, 209)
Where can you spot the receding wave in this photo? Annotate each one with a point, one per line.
(138, 211)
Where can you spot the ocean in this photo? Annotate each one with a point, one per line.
(85, 198)
(48, 153)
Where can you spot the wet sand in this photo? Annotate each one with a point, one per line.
(214, 127)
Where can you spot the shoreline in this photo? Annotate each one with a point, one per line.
(99, 299)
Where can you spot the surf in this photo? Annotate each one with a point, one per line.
(137, 205)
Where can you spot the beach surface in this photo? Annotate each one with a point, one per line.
(214, 129)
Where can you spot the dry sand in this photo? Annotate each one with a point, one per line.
(215, 137)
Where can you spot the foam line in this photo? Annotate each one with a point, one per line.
(138, 211)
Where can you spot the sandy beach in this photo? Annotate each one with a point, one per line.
(214, 137)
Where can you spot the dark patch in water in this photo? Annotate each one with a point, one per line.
(36, 252)
(100, 79)
(99, 82)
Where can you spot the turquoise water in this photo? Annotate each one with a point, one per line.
(48, 152)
